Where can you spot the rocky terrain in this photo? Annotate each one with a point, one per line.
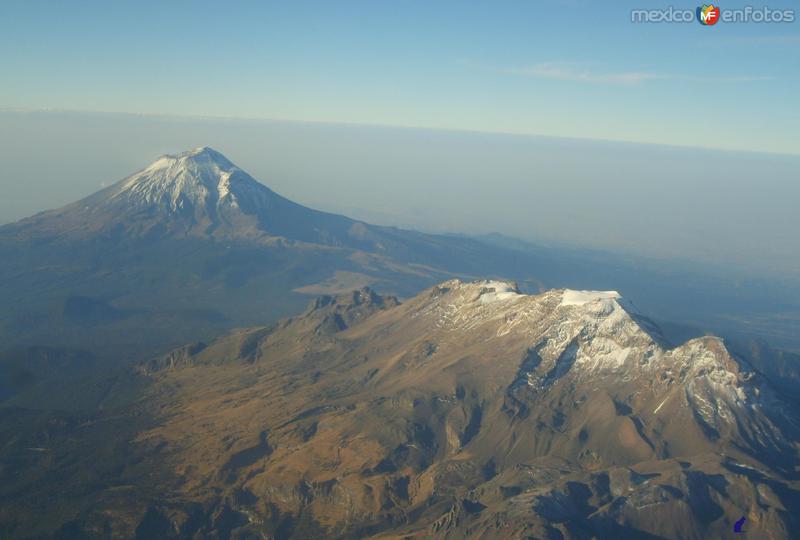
(468, 411)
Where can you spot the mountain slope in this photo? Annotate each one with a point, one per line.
(195, 193)
(191, 246)
(470, 410)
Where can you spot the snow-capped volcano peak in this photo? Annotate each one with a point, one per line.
(198, 193)
(190, 180)
(202, 156)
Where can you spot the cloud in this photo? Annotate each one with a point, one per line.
(571, 72)
(780, 40)
(744, 78)
(576, 72)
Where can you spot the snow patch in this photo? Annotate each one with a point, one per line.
(660, 405)
(224, 186)
(502, 291)
(579, 298)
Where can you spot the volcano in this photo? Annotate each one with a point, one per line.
(469, 411)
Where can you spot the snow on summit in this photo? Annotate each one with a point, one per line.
(494, 291)
(592, 336)
(199, 193)
(579, 298)
(193, 178)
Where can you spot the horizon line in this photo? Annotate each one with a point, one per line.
(575, 138)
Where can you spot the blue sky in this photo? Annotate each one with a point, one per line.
(566, 69)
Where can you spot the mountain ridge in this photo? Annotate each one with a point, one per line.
(152, 265)
(474, 410)
(471, 410)
(584, 414)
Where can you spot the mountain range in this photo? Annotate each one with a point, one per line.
(471, 410)
(191, 246)
(157, 382)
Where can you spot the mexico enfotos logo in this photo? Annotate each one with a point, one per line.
(711, 14)
(707, 14)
